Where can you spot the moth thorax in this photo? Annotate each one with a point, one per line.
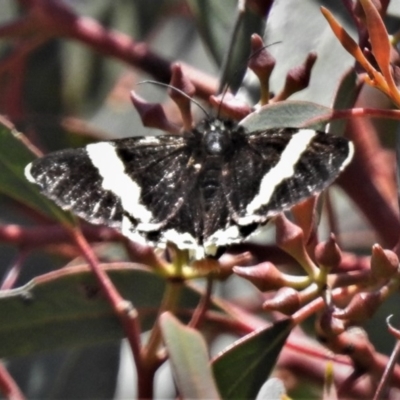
(217, 142)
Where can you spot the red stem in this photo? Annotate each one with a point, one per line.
(46, 235)
(13, 272)
(8, 386)
(123, 309)
(388, 373)
(56, 19)
(201, 309)
(369, 181)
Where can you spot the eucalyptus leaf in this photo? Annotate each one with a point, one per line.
(214, 20)
(345, 97)
(188, 355)
(241, 370)
(293, 114)
(286, 25)
(226, 31)
(66, 308)
(14, 157)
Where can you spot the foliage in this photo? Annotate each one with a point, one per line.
(71, 291)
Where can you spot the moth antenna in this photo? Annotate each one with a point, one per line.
(179, 91)
(254, 53)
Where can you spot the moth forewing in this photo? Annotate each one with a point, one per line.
(207, 189)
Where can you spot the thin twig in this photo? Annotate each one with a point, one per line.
(8, 386)
(387, 374)
(123, 309)
(13, 272)
(169, 303)
(201, 309)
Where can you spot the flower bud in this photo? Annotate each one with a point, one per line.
(181, 82)
(328, 326)
(384, 263)
(361, 307)
(264, 276)
(261, 63)
(354, 343)
(297, 78)
(229, 105)
(286, 301)
(289, 237)
(152, 114)
(328, 253)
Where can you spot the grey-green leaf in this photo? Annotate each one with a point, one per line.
(224, 28)
(294, 114)
(14, 156)
(66, 308)
(188, 356)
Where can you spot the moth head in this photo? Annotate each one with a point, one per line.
(217, 139)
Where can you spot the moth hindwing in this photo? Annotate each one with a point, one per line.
(211, 187)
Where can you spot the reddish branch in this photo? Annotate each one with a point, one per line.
(123, 310)
(8, 386)
(369, 181)
(49, 19)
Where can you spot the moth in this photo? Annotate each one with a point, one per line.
(214, 186)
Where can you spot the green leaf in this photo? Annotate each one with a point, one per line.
(345, 97)
(189, 360)
(66, 308)
(217, 26)
(14, 157)
(286, 25)
(235, 64)
(214, 20)
(294, 114)
(241, 370)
